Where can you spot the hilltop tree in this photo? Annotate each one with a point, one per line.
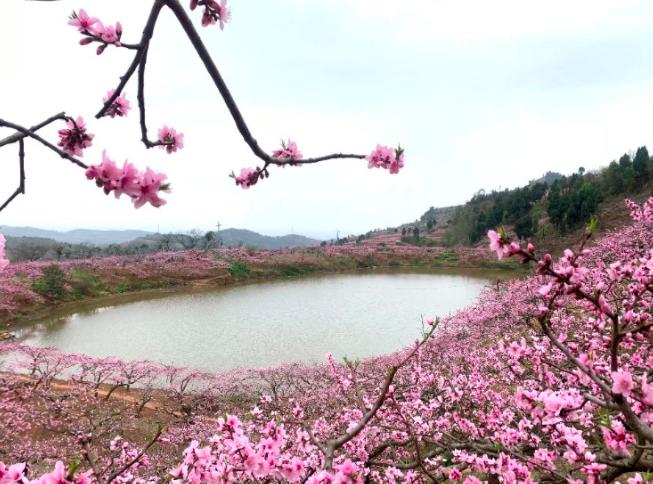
(641, 165)
(525, 227)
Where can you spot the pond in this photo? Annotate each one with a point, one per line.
(265, 324)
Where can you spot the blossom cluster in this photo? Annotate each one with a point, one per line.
(170, 139)
(3, 258)
(233, 457)
(247, 177)
(74, 138)
(545, 379)
(642, 213)
(95, 31)
(214, 12)
(141, 187)
(17, 473)
(119, 107)
(391, 159)
(288, 151)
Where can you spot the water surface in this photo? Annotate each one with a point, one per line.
(265, 324)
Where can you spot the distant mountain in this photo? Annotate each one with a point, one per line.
(80, 236)
(29, 243)
(236, 237)
(226, 238)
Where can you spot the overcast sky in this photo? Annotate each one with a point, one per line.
(482, 94)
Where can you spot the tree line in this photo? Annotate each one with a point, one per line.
(568, 201)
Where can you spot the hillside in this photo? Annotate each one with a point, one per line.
(552, 210)
(237, 237)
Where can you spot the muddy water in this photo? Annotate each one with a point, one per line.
(265, 324)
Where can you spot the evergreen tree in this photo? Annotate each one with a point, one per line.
(641, 165)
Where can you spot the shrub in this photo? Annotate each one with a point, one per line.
(52, 284)
(238, 269)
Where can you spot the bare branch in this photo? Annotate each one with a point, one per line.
(147, 35)
(19, 135)
(219, 82)
(21, 183)
(30, 134)
(137, 458)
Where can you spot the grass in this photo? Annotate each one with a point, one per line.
(509, 266)
(294, 271)
(85, 284)
(238, 269)
(130, 286)
(449, 256)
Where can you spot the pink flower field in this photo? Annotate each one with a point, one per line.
(544, 379)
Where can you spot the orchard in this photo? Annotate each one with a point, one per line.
(544, 379)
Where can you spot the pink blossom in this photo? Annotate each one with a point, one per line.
(391, 159)
(622, 382)
(604, 306)
(105, 174)
(140, 187)
(74, 139)
(472, 480)
(288, 151)
(128, 181)
(347, 467)
(543, 456)
(498, 243)
(397, 163)
(594, 468)
(170, 139)
(213, 12)
(616, 438)
(14, 474)
(61, 476)
(647, 390)
(108, 34)
(3, 258)
(247, 178)
(546, 289)
(82, 21)
(455, 475)
(120, 106)
(150, 184)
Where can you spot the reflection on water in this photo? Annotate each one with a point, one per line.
(261, 325)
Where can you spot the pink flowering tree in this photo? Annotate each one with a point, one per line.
(146, 186)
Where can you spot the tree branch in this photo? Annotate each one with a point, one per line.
(21, 182)
(29, 133)
(228, 99)
(138, 457)
(145, 39)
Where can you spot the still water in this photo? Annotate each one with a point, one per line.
(265, 324)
